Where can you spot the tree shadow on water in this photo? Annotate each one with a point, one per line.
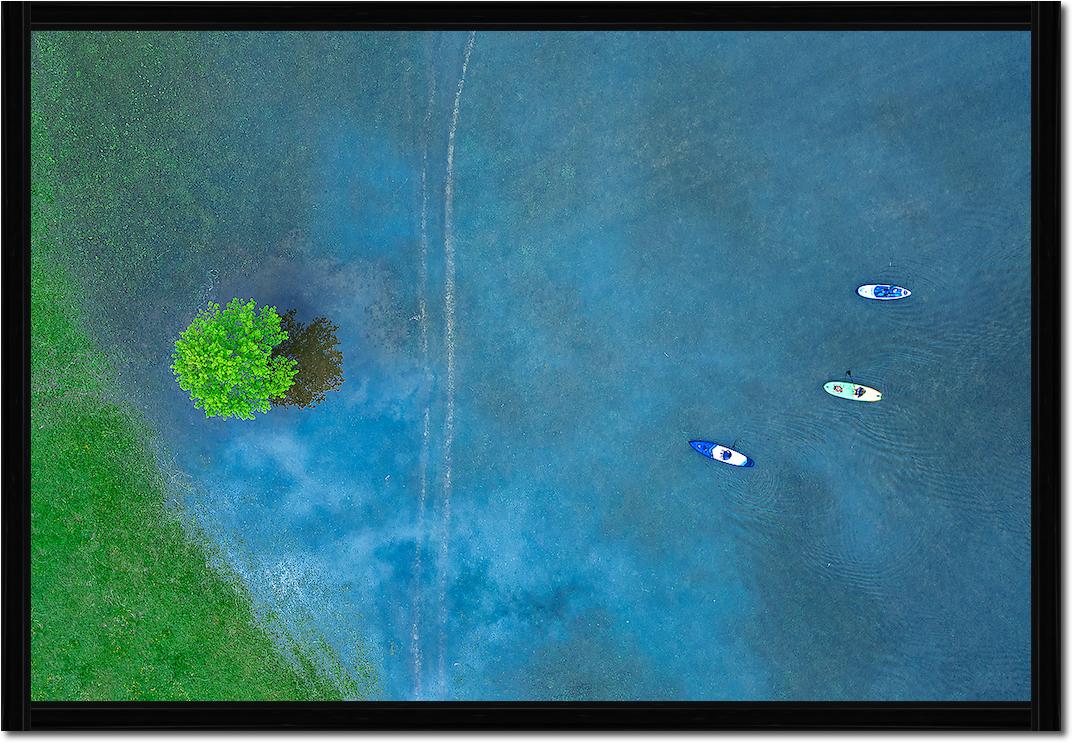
(315, 347)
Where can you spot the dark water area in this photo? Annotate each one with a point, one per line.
(550, 274)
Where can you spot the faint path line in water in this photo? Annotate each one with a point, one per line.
(418, 566)
(448, 311)
(418, 569)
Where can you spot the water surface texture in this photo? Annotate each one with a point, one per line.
(554, 259)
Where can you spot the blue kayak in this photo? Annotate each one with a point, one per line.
(724, 454)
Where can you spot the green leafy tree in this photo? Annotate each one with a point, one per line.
(314, 348)
(224, 360)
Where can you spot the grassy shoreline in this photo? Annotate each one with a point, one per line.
(125, 605)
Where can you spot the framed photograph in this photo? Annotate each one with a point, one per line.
(520, 366)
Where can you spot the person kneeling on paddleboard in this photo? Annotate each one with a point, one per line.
(859, 391)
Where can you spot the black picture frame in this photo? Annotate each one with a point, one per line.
(1041, 713)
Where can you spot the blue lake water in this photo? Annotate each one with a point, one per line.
(552, 274)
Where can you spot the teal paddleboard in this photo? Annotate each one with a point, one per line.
(851, 390)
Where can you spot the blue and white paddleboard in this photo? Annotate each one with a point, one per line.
(883, 291)
(721, 453)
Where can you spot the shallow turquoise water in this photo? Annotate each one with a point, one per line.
(631, 240)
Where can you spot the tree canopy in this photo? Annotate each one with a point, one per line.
(314, 348)
(224, 360)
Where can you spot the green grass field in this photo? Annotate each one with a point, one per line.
(125, 604)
